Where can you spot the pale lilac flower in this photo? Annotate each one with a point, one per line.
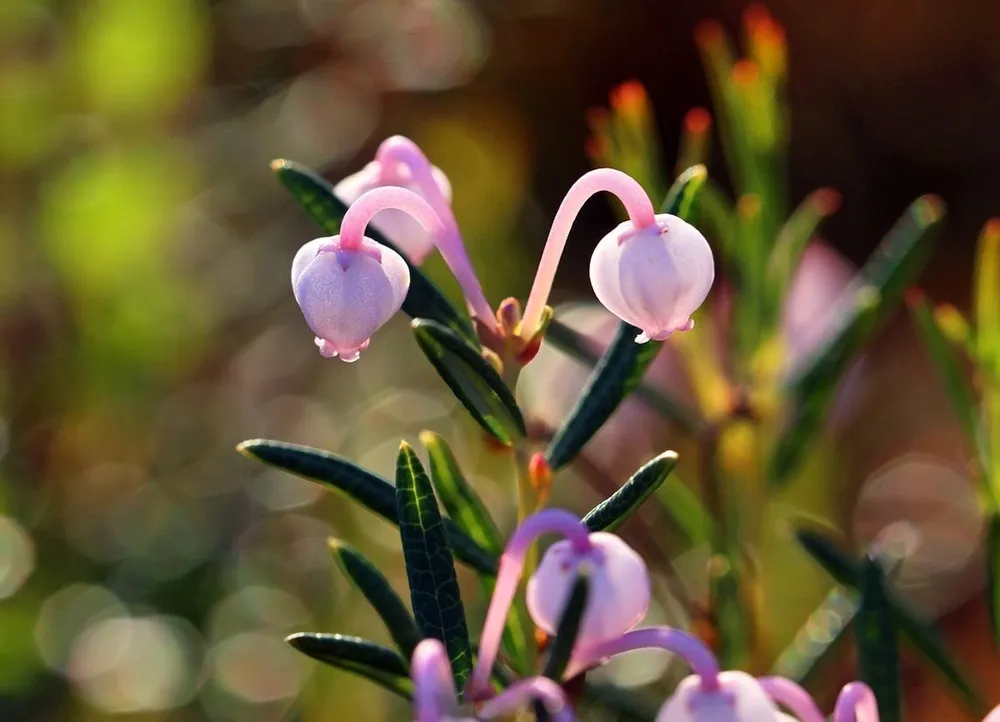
(654, 277)
(390, 168)
(399, 162)
(618, 578)
(652, 271)
(708, 695)
(434, 698)
(349, 285)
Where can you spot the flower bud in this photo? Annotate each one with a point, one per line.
(619, 587)
(346, 294)
(653, 278)
(399, 227)
(738, 698)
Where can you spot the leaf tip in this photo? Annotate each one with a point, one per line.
(991, 230)
(428, 437)
(929, 209)
(280, 164)
(698, 121)
(247, 448)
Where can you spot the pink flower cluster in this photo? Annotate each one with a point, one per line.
(620, 594)
(653, 271)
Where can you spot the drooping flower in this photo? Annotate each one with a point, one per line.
(653, 277)
(652, 271)
(707, 695)
(618, 578)
(397, 165)
(434, 698)
(349, 285)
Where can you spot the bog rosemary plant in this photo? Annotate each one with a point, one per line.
(554, 618)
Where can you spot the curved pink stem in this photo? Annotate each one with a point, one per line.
(544, 690)
(856, 703)
(554, 521)
(786, 692)
(691, 649)
(360, 213)
(624, 187)
(399, 149)
(434, 698)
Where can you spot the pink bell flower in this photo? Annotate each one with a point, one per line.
(708, 695)
(434, 698)
(618, 578)
(396, 164)
(652, 271)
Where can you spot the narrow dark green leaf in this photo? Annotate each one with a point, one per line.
(472, 379)
(617, 508)
(360, 656)
(819, 640)
(368, 489)
(922, 635)
(993, 574)
(434, 593)
(623, 364)
(875, 633)
(570, 621)
(379, 593)
(467, 509)
(872, 296)
(461, 502)
(563, 337)
(315, 194)
(950, 370)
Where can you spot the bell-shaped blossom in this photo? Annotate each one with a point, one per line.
(708, 695)
(434, 698)
(346, 294)
(400, 163)
(653, 277)
(993, 716)
(393, 168)
(652, 271)
(349, 285)
(617, 576)
(737, 698)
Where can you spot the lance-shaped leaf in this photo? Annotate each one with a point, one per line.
(617, 508)
(993, 574)
(360, 656)
(923, 636)
(869, 300)
(461, 502)
(561, 650)
(315, 194)
(434, 593)
(368, 489)
(988, 296)
(379, 593)
(466, 508)
(950, 370)
(472, 379)
(622, 366)
(819, 639)
(565, 338)
(875, 632)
